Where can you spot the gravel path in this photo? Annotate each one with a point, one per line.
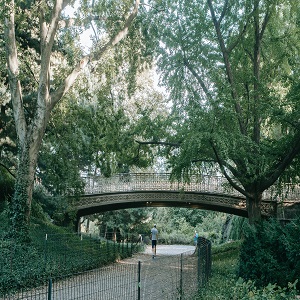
(170, 249)
(160, 277)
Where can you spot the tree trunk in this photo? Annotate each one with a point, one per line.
(254, 208)
(22, 198)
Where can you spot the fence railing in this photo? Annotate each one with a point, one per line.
(128, 182)
(165, 277)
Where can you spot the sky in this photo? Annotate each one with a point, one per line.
(85, 39)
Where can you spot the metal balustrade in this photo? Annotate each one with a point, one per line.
(156, 182)
(206, 192)
(129, 182)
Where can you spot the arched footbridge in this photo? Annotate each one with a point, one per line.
(155, 190)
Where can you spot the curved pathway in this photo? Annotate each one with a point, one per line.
(159, 277)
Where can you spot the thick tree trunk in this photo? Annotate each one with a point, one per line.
(254, 208)
(22, 198)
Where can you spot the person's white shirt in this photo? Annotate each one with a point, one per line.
(154, 233)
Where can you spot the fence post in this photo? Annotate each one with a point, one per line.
(199, 263)
(50, 289)
(181, 276)
(139, 280)
(11, 256)
(45, 251)
(204, 261)
(127, 246)
(107, 250)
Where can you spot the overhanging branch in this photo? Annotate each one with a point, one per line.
(8, 170)
(282, 164)
(93, 57)
(230, 180)
(176, 145)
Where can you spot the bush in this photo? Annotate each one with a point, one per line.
(224, 284)
(57, 254)
(175, 238)
(270, 253)
(247, 290)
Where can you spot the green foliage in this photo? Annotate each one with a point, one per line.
(224, 249)
(4, 224)
(121, 221)
(247, 290)
(224, 263)
(175, 225)
(46, 206)
(20, 266)
(232, 72)
(53, 252)
(77, 140)
(270, 253)
(224, 285)
(178, 225)
(233, 228)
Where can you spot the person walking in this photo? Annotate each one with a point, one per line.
(154, 238)
(195, 238)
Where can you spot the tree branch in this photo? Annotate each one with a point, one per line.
(13, 73)
(264, 24)
(93, 57)
(176, 145)
(235, 43)
(198, 78)
(280, 166)
(8, 170)
(230, 77)
(231, 182)
(223, 12)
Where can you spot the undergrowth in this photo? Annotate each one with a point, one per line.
(225, 285)
(53, 252)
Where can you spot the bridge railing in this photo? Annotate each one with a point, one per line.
(128, 182)
(283, 193)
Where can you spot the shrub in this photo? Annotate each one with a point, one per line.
(270, 253)
(58, 254)
(247, 290)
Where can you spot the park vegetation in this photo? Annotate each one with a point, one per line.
(229, 105)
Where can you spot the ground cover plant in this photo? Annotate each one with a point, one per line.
(225, 283)
(53, 252)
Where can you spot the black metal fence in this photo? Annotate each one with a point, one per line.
(141, 277)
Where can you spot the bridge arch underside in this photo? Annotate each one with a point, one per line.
(91, 204)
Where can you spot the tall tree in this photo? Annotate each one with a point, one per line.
(53, 72)
(232, 69)
(94, 133)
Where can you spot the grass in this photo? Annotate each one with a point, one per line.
(224, 265)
